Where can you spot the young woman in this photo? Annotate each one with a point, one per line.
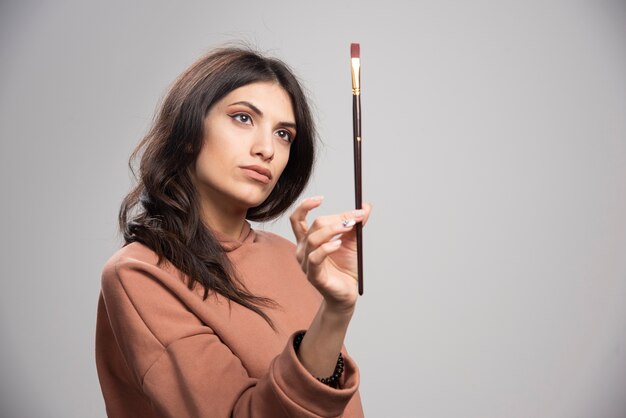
(201, 316)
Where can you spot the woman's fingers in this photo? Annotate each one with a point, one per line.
(368, 209)
(319, 235)
(317, 257)
(327, 254)
(325, 228)
(298, 217)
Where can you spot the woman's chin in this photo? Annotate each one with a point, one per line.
(253, 202)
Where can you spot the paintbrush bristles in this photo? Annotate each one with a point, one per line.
(355, 50)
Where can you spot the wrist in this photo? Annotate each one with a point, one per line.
(332, 380)
(337, 313)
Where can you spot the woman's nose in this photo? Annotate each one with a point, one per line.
(264, 145)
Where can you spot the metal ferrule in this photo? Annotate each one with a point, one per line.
(356, 76)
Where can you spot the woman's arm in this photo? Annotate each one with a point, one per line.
(327, 253)
(323, 341)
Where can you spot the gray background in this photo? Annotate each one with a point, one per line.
(494, 156)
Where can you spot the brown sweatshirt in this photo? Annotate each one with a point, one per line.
(162, 351)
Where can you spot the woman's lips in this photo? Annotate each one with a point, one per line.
(258, 173)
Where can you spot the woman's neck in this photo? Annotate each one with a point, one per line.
(222, 219)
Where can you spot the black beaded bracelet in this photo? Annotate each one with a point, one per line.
(331, 381)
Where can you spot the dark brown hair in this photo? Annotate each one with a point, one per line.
(163, 210)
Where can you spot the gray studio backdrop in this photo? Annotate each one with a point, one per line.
(494, 156)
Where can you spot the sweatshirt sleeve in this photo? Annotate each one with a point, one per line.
(184, 368)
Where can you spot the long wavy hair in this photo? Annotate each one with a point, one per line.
(162, 211)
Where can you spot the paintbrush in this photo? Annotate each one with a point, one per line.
(355, 54)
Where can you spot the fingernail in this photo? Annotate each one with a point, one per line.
(358, 213)
(348, 223)
(317, 198)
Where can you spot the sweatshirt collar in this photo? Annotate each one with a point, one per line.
(230, 244)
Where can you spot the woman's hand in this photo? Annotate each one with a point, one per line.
(327, 252)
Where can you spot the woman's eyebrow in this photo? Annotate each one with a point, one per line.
(288, 125)
(250, 105)
(260, 113)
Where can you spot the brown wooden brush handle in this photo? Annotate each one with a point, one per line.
(356, 117)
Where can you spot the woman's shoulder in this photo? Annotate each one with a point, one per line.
(134, 251)
(136, 257)
(273, 240)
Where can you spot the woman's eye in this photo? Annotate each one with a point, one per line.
(242, 117)
(285, 135)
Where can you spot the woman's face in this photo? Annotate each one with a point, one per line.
(247, 137)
